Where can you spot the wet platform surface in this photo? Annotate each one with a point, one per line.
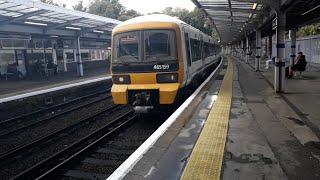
(267, 137)
(17, 87)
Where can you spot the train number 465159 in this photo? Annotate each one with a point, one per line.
(165, 66)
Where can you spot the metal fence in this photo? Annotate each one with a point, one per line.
(310, 46)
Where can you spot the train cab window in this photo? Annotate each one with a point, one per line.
(160, 45)
(126, 47)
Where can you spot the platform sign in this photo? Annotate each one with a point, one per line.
(274, 23)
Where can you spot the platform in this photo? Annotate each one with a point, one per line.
(12, 90)
(265, 137)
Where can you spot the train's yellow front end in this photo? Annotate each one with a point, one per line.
(146, 64)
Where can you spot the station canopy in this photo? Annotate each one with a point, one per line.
(33, 17)
(232, 18)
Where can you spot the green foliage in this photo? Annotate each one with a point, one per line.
(195, 18)
(53, 3)
(114, 9)
(128, 14)
(47, 1)
(79, 6)
(308, 30)
(107, 8)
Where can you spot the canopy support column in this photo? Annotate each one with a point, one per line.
(78, 57)
(241, 50)
(293, 37)
(247, 50)
(279, 78)
(258, 50)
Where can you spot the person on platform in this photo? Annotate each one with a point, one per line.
(299, 65)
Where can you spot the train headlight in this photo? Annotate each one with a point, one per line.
(121, 79)
(167, 78)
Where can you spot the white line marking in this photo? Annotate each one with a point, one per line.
(128, 164)
(20, 96)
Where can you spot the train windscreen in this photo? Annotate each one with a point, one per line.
(159, 45)
(153, 50)
(126, 47)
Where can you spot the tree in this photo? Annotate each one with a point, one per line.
(154, 13)
(106, 8)
(53, 3)
(47, 1)
(79, 6)
(128, 14)
(168, 11)
(308, 30)
(196, 18)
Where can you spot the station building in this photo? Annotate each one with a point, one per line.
(34, 35)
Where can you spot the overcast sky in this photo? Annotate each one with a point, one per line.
(144, 6)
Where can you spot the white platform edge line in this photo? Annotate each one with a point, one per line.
(20, 96)
(128, 164)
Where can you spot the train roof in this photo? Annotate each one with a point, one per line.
(152, 18)
(158, 18)
(155, 18)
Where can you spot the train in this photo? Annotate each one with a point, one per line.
(154, 57)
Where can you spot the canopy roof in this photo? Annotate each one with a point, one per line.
(52, 20)
(232, 17)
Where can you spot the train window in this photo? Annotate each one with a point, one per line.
(195, 49)
(211, 50)
(160, 45)
(186, 36)
(206, 50)
(126, 47)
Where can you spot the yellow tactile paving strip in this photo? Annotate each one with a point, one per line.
(206, 158)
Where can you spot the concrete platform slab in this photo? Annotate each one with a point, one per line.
(248, 154)
(286, 135)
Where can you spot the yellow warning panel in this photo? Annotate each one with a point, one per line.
(206, 158)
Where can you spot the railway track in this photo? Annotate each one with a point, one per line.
(25, 134)
(47, 118)
(43, 112)
(62, 158)
(22, 158)
(11, 153)
(98, 154)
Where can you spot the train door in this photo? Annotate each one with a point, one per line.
(188, 54)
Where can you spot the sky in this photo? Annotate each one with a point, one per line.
(143, 6)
